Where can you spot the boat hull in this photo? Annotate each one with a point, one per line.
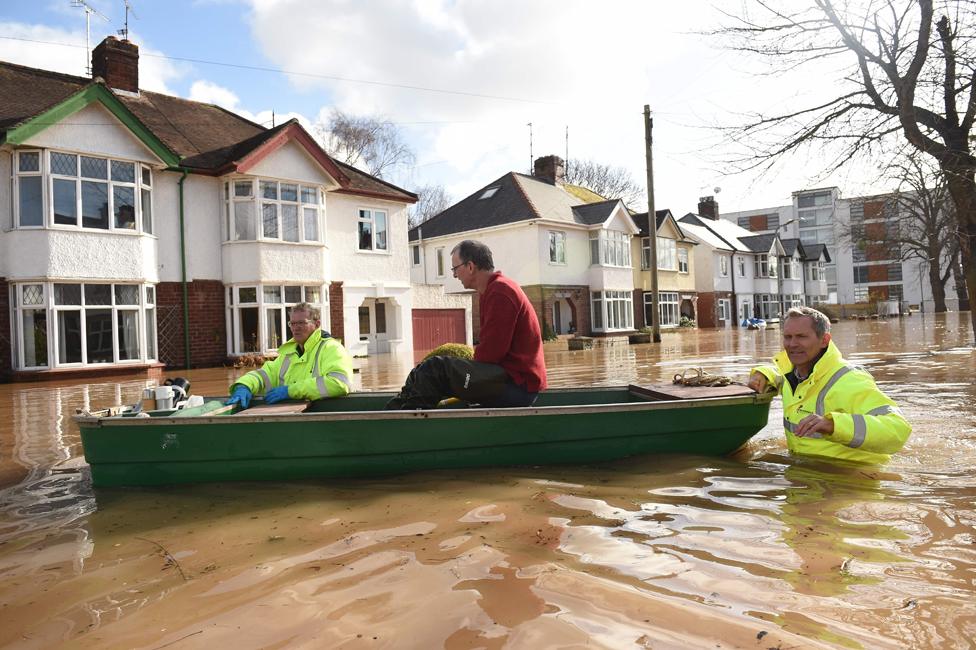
(369, 441)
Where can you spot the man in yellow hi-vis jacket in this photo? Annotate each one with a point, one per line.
(830, 408)
(311, 365)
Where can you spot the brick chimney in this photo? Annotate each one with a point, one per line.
(708, 207)
(117, 62)
(550, 169)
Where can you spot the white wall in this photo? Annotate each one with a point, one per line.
(94, 130)
(291, 162)
(79, 254)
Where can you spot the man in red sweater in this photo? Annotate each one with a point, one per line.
(508, 369)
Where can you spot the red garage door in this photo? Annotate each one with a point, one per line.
(433, 327)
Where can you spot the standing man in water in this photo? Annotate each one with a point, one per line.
(508, 369)
(830, 408)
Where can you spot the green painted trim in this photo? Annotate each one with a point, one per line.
(93, 93)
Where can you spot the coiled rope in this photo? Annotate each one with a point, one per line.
(698, 377)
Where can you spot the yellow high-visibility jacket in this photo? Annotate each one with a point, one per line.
(868, 427)
(324, 370)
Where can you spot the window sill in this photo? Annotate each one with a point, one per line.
(91, 370)
(273, 242)
(95, 231)
(374, 252)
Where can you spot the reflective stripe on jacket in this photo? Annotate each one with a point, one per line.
(868, 427)
(324, 370)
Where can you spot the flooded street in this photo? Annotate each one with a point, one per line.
(760, 550)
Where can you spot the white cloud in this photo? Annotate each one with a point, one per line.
(211, 93)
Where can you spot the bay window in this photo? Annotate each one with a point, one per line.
(88, 192)
(289, 212)
(610, 248)
(257, 315)
(667, 309)
(612, 310)
(765, 266)
(64, 324)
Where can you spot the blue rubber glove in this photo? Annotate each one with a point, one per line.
(276, 394)
(242, 395)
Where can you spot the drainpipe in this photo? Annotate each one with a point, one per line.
(186, 297)
(734, 307)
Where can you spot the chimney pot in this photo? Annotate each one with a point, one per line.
(550, 169)
(117, 62)
(708, 207)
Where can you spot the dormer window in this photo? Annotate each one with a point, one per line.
(487, 194)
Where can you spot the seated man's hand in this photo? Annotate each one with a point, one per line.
(242, 395)
(758, 382)
(276, 394)
(812, 424)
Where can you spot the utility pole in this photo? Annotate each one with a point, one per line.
(652, 220)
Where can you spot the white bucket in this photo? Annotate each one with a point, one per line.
(164, 397)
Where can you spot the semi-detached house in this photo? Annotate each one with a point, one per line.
(141, 229)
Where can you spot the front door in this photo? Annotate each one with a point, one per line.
(372, 326)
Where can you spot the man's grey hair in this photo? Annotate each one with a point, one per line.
(313, 312)
(474, 251)
(821, 324)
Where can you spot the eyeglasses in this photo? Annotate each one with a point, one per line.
(455, 268)
(299, 323)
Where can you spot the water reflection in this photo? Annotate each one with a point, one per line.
(674, 551)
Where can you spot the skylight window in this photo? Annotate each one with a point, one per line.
(487, 194)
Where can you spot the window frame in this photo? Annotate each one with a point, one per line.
(255, 199)
(440, 267)
(610, 248)
(683, 265)
(370, 218)
(557, 245)
(263, 307)
(723, 266)
(667, 252)
(612, 310)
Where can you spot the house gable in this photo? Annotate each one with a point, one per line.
(619, 219)
(31, 128)
(291, 161)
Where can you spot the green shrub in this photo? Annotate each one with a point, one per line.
(459, 350)
(548, 334)
(686, 322)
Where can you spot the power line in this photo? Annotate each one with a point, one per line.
(313, 75)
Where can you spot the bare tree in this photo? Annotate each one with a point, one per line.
(431, 201)
(908, 71)
(373, 143)
(607, 181)
(919, 223)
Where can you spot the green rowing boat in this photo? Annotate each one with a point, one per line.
(355, 436)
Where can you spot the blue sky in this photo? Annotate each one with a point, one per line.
(461, 78)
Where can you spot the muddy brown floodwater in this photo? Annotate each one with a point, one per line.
(760, 550)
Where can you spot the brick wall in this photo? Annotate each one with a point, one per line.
(543, 297)
(208, 329)
(708, 309)
(6, 359)
(337, 323)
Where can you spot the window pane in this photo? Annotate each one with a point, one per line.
(363, 321)
(98, 294)
(272, 294)
(124, 206)
(64, 164)
(35, 337)
(366, 238)
(289, 222)
(126, 294)
(128, 323)
(31, 213)
(309, 195)
(249, 329)
(289, 192)
(311, 224)
(293, 294)
(381, 318)
(247, 295)
(147, 222)
(312, 295)
(274, 329)
(32, 294)
(29, 161)
(94, 205)
(124, 172)
(67, 294)
(94, 167)
(69, 335)
(269, 190)
(269, 220)
(243, 188)
(380, 218)
(147, 178)
(150, 295)
(98, 334)
(244, 221)
(150, 333)
(65, 202)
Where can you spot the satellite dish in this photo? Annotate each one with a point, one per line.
(717, 189)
